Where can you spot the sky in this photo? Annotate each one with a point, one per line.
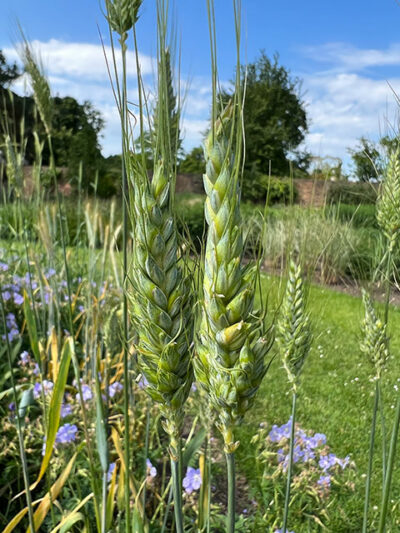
(346, 54)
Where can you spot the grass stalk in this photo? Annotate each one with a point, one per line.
(290, 466)
(125, 298)
(389, 470)
(230, 517)
(370, 458)
(177, 490)
(19, 424)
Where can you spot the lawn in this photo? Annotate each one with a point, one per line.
(335, 395)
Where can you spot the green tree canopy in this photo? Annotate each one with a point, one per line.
(193, 162)
(8, 73)
(367, 160)
(275, 119)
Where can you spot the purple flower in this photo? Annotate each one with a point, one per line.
(6, 295)
(327, 461)
(18, 298)
(281, 531)
(47, 388)
(114, 388)
(111, 469)
(325, 481)
(66, 434)
(87, 393)
(3, 267)
(308, 454)
(192, 480)
(25, 359)
(343, 462)
(66, 410)
(151, 470)
(143, 382)
(11, 406)
(317, 440)
(283, 432)
(36, 369)
(281, 455)
(50, 273)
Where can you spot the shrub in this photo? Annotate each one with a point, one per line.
(361, 216)
(351, 193)
(257, 190)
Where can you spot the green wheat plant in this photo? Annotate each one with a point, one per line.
(374, 345)
(158, 282)
(294, 338)
(388, 217)
(231, 341)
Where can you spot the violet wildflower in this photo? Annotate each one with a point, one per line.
(66, 410)
(325, 481)
(192, 480)
(11, 406)
(114, 388)
(66, 434)
(47, 386)
(327, 461)
(18, 298)
(3, 267)
(25, 359)
(151, 470)
(111, 469)
(6, 295)
(87, 393)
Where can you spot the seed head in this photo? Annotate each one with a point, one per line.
(231, 344)
(375, 343)
(122, 15)
(388, 203)
(40, 86)
(160, 294)
(293, 329)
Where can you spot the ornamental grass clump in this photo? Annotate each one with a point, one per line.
(294, 339)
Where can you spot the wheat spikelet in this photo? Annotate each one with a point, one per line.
(122, 14)
(159, 292)
(375, 343)
(231, 347)
(40, 86)
(14, 165)
(293, 329)
(388, 203)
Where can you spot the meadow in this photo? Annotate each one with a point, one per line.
(192, 363)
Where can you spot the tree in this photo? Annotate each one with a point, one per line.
(166, 115)
(193, 162)
(76, 137)
(275, 120)
(367, 160)
(8, 73)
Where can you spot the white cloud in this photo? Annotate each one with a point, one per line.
(79, 70)
(80, 60)
(344, 101)
(344, 107)
(348, 57)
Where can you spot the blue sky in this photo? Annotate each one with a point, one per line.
(345, 52)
